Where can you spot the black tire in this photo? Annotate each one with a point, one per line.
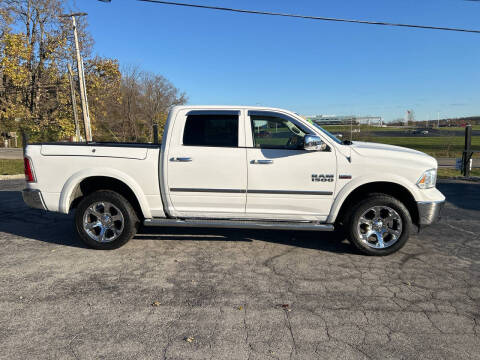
(123, 230)
(352, 224)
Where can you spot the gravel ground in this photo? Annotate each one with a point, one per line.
(238, 294)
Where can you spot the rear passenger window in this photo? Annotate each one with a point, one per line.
(211, 130)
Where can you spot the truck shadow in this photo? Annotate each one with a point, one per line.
(462, 195)
(323, 241)
(19, 220)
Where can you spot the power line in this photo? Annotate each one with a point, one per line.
(383, 23)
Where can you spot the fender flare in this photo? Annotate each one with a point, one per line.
(364, 180)
(74, 180)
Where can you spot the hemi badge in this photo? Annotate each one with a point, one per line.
(345, 177)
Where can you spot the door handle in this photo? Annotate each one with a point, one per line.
(262, 162)
(181, 159)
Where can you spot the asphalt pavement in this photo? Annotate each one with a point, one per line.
(238, 294)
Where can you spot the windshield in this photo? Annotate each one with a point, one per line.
(330, 135)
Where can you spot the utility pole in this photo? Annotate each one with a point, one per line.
(74, 103)
(81, 78)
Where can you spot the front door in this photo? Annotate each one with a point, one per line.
(207, 172)
(285, 181)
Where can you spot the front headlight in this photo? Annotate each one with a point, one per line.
(428, 179)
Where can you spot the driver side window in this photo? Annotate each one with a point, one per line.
(271, 132)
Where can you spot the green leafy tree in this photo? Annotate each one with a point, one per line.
(36, 44)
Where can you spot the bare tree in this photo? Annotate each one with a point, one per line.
(146, 98)
(131, 93)
(158, 96)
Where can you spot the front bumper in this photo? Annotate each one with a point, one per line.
(429, 211)
(33, 198)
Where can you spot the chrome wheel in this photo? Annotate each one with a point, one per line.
(103, 222)
(379, 227)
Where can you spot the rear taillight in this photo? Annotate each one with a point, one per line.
(29, 176)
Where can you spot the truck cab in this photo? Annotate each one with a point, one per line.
(246, 163)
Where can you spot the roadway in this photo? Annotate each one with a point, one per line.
(11, 153)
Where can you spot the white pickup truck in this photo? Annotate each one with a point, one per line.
(237, 167)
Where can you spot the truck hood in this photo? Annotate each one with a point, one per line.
(391, 152)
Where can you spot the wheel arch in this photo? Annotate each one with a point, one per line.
(357, 193)
(84, 183)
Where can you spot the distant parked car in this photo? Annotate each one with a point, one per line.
(418, 132)
(339, 135)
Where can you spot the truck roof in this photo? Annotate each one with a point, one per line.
(221, 107)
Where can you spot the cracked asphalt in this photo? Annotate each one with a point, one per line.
(238, 294)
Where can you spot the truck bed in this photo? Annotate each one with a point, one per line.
(60, 168)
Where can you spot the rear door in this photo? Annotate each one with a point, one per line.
(285, 181)
(207, 172)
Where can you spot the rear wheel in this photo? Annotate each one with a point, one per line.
(105, 220)
(379, 225)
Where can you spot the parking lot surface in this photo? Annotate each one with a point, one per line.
(238, 294)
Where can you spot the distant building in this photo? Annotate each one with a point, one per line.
(345, 120)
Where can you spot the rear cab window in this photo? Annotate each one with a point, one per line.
(216, 130)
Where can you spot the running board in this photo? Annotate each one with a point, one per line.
(239, 224)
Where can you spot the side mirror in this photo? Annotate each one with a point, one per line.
(314, 143)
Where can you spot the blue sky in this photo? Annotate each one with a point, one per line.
(310, 67)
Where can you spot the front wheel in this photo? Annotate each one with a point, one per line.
(379, 225)
(105, 220)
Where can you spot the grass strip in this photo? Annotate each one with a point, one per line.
(11, 166)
